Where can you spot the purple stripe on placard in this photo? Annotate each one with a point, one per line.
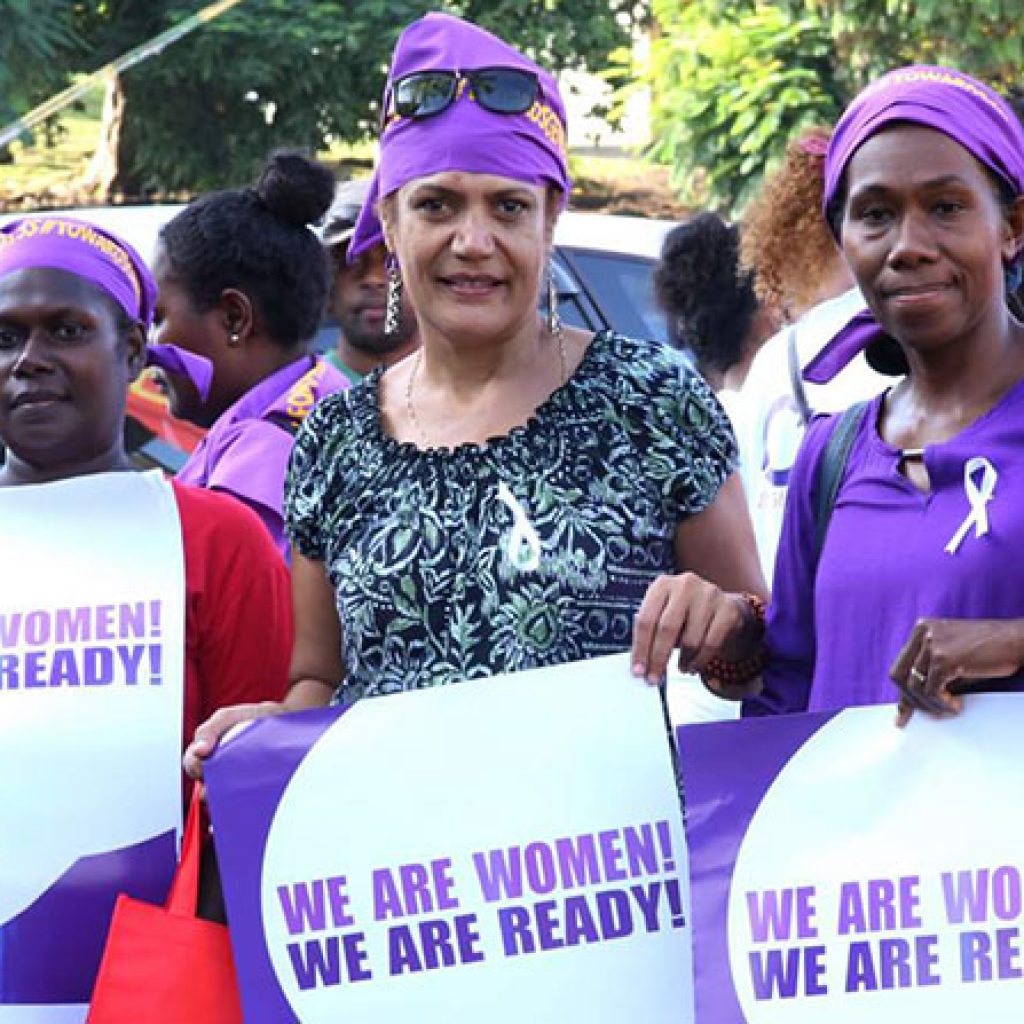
(51, 951)
(246, 780)
(727, 768)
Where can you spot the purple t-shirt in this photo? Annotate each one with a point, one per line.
(832, 636)
(246, 451)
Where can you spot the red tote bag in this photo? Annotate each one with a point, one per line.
(164, 965)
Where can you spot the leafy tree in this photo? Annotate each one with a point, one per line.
(36, 34)
(274, 73)
(733, 80)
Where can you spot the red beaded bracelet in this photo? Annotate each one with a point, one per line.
(736, 673)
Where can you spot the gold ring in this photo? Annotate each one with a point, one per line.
(917, 675)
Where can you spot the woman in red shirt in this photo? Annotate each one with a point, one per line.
(75, 307)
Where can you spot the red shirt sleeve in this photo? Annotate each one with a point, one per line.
(238, 617)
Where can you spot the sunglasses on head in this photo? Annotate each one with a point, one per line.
(499, 90)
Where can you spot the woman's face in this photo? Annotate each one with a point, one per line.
(65, 367)
(472, 250)
(177, 322)
(926, 237)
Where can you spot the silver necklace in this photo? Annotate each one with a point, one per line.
(410, 410)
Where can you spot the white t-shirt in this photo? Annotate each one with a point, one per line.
(767, 417)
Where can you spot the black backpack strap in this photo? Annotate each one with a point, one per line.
(831, 468)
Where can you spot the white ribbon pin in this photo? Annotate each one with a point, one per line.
(523, 545)
(978, 496)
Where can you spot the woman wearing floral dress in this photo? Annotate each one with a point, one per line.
(514, 494)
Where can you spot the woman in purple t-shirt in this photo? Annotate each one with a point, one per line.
(917, 583)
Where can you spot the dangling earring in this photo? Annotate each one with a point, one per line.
(393, 309)
(554, 319)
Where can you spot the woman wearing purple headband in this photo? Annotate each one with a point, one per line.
(918, 581)
(75, 306)
(516, 493)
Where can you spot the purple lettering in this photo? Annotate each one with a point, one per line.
(577, 861)
(97, 666)
(9, 672)
(133, 621)
(35, 670)
(303, 906)
(386, 900)
(773, 913)
(64, 668)
(611, 855)
(540, 868)
(131, 658)
(319, 961)
(403, 956)
(10, 629)
(105, 628)
(964, 893)
(614, 914)
(516, 936)
(71, 625)
(646, 897)
(775, 972)
(500, 873)
(316, 962)
(642, 849)
(338, 899)
(579, 922)
(547, 925)
(37, 628)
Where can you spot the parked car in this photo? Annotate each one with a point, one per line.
(602, 266)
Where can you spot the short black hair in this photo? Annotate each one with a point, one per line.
(709, 300)
(258, 240)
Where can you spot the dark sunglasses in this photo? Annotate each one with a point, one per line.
(500, 90)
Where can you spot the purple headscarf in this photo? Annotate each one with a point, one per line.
(63, 243)
(528, 147)
(959, 106)
(90, 252)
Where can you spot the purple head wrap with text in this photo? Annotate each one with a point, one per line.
(90, 252)
(529, 147)
(83, 249)
(944, 99)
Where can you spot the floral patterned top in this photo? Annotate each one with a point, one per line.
(533, 549)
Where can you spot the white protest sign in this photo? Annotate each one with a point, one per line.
(904, 901)
(91, 691)
(508, 849)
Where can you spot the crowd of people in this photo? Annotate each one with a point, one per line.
(465, 486)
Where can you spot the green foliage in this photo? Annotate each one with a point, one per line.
(732, 80)
(35, 38)
(274, 73)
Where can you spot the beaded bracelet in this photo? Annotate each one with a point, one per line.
(727, 673)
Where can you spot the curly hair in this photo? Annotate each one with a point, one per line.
(786, 239)
(258, 240)
(709, 301)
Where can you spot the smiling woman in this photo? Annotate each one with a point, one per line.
(517, 493)
(915, 595)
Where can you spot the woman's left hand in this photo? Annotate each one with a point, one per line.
(944, 656)
(699, 618)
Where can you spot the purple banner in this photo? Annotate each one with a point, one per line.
(246, 779)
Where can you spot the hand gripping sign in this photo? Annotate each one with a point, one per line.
(508, 849)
